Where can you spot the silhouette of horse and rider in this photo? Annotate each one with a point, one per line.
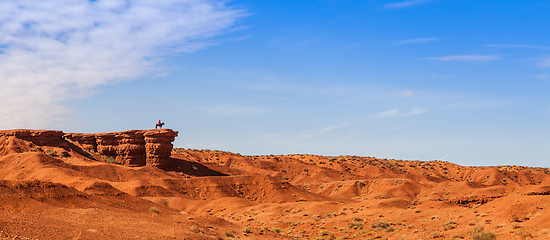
(159, 124)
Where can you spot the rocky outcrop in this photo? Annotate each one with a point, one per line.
(86, 140)
(158, 146)
(131, 148)
(26, 140)
(38, 137)
(128, 148)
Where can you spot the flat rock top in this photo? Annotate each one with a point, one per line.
(160, 132)
(59, 134)
(31, 133)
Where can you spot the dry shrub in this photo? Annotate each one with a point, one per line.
(480, 234)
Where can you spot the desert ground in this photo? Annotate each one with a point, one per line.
(58, 190)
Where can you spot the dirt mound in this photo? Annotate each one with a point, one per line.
(51, 187)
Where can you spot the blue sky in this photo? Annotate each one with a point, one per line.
(461, 81)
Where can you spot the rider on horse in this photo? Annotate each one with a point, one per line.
(159, 124)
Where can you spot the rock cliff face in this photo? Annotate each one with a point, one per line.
(158, 146)
(39, 137)
(24, 140)
(132, 148)
(128, 148)
(86, 140)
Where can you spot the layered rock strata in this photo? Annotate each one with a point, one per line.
(38, 137)
(128, 148)
(86, 140)
(158, 145)
(131, 148)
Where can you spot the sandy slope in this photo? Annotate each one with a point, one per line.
(56, 191)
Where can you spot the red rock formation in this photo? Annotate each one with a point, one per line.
(86, 140)
(38, 137)
(128, 148)
(24, 140)
(131, 148)
(159, 146)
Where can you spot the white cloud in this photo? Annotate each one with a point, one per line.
(405, 4)
(407, 93)
(543, 76)
(418, 40)
(466, 58)
(540, 47)
(397, 113)
(545, 62)
(57, 50)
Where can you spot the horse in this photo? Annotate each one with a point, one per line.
(159, 125)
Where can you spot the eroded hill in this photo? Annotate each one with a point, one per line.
(61, 189)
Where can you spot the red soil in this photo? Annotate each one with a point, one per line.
(55, 190)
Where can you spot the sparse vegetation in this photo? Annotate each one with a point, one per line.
(380, 225)
(479, 233)
(436, 235)
(52, 153)
(154, 210)
(195, 229)
(262, 229)
(355, 225)
(450, 225)
(109, 159)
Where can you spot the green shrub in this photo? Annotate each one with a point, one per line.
(154, 210)
(355, 225)
(52, 153)
(109, 159)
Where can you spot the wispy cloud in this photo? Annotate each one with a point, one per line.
(57, 50)
(405, 4)
(275, 135)
(466, 58)
(406, 93)
(540, 47)
(543, 76)
(418, 40)
(396, 112)
(545, 62)
(324, 130)
(230, 110)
